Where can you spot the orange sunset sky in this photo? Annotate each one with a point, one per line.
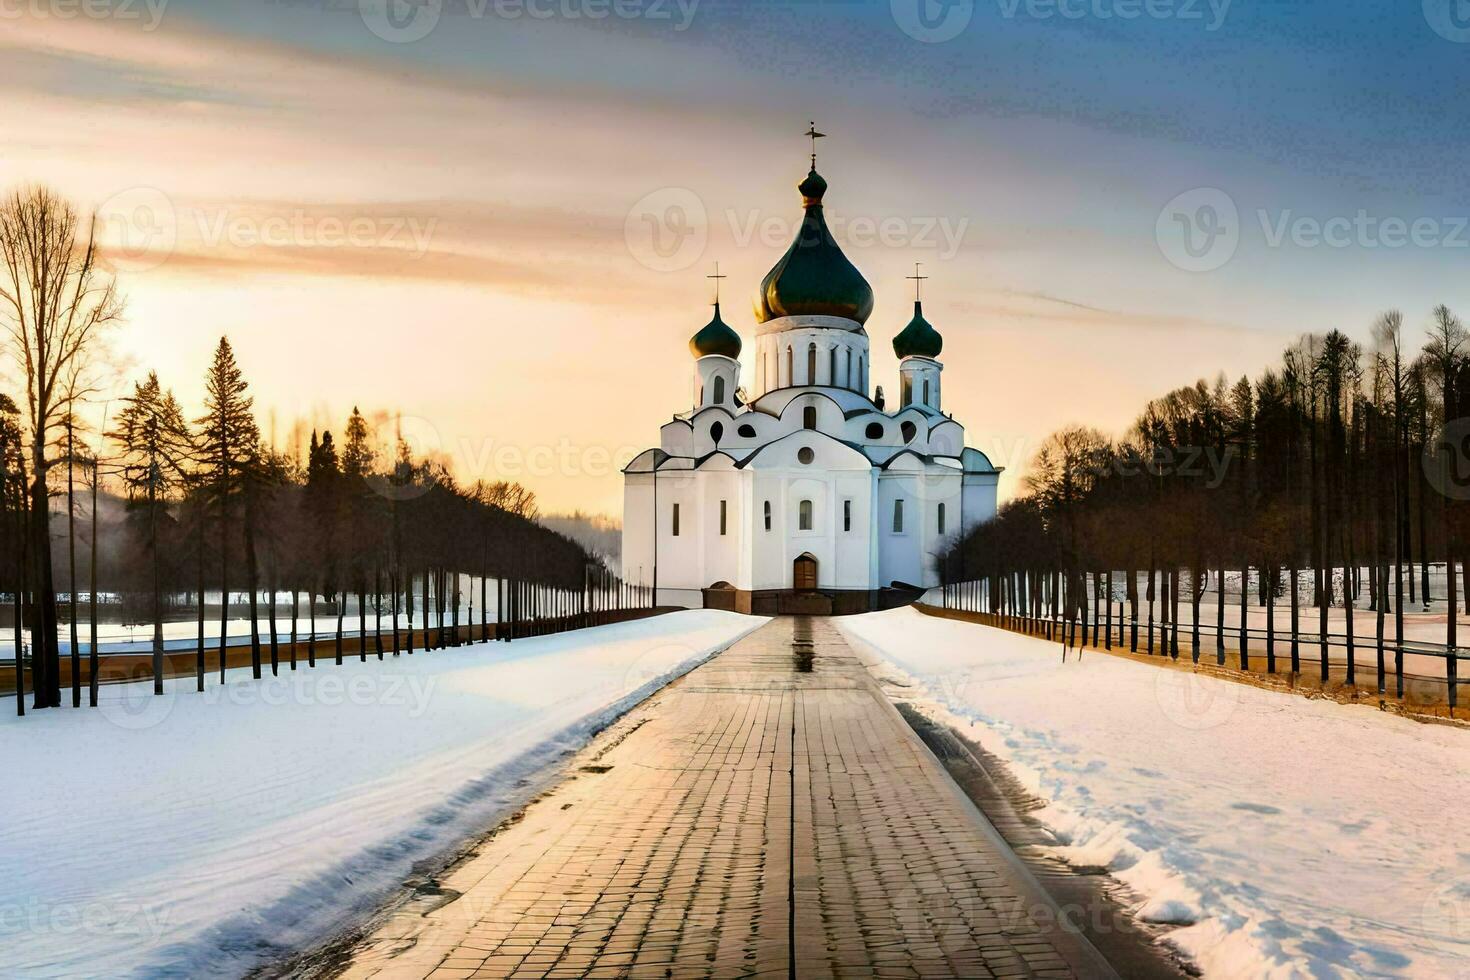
(458, 229)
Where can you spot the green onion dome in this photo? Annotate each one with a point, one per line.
(814, 278)
(918, 338)
(715, 338)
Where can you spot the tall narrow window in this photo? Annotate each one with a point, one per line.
(941, 518)
(926, 394)
(790, 368)
(848, 376)
(768, 515)
(676, 520)
(724, 510)
(804, 516)
(847, 515)
(720, 391)
(908, 391)
(811, 364)
(809, 417)
(832, 368)
(898, 517)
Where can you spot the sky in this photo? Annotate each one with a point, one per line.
(494, 219)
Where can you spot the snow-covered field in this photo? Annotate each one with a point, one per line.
(193, 835)
(1295, 838)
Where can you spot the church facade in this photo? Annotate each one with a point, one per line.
(804, 492)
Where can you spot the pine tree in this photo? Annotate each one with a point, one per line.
(229, 440)
(323, 495)
(156, 446)
(357, 463)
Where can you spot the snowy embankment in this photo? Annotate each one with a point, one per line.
(199, 834)
(1289, 837)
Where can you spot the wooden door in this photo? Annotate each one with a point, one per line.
(804, 574)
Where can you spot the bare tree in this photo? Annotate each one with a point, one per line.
(55, 305)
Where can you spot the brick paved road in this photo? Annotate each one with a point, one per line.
(771, 814)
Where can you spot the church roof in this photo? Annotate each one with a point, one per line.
(814, 277)
(919, 338)
(716, 337)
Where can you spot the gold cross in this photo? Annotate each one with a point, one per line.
(918, 281)
(815, 136)
(717, 277)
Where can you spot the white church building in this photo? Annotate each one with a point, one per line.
(804, 492)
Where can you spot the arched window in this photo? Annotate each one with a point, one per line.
(832, 367)
(717, 432)
(811, 364)
(909, 430)
(804, 516)
(898, 517)
(768, 515)
(809, 417)
(926, 394)
(874, 431)
(906, 394)
(862, 372)
(941, 518)
(848, 377)
(790, 368)
(720, 390)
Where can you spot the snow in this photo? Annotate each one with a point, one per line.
(197, 835)
(1291, 837)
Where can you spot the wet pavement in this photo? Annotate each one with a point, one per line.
(771, 814)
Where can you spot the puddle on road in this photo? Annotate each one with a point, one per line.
(802, 650)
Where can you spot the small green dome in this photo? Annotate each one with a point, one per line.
(715, 338)
(918, 339)
(814, 278)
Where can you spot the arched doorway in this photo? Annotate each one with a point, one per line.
(804, 574)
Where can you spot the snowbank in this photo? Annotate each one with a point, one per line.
(1292, 838)
(196, 835)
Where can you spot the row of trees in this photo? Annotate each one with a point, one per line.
(209, 503)
(1335, 458)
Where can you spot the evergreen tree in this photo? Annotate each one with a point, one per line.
(156, 446)
(229, 440)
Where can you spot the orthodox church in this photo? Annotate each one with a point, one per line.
(804, 493)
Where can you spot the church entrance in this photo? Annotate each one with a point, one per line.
(804, 574)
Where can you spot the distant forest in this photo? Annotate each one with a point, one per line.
(1338, 456)
(171, 505)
